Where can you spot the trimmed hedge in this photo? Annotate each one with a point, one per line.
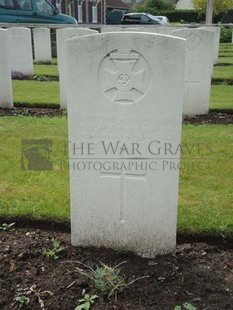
(225, 34)
(187, 16)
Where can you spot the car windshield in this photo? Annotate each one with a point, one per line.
(152, 16)
(45, 7)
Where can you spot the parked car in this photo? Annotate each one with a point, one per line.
(140, 18)
(164, 20)
(32, 11)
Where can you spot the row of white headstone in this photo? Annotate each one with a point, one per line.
(201, 53)
(16, 57)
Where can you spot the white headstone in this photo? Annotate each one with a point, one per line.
(6, 100)
(62, 35)
(153, 29)
(42, 45)
(125, 90)
(167, 30)
(198, 69)
(216, 31)
(117, 28)
(20, 51)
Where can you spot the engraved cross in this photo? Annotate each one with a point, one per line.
(123, 177)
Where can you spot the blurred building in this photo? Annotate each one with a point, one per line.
(91, 11)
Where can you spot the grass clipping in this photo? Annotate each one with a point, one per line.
(107, 279)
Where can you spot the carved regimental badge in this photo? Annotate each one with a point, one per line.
(193, 41)
(124, 76)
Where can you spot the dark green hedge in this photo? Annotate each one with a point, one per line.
(188, 16)
(225, 18)
(225, 34)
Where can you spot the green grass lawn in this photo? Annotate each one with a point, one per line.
(205, 195)
(36, 92)
(221, 97)
(225, 60)
(226, 47)
(47, 70)
(36, 193)
(223, 72)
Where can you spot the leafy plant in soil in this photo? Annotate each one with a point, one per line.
(22, 300)
(185, 306)
(52, 253)
(86, 302)
(151, 263)
(7, 227)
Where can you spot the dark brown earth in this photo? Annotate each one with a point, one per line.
(198, 273)
(214, 117)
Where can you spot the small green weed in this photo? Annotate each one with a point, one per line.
(185, 306)
(7, 227)
(151, 263)
(52, 253)
(107, 279)
(224, 228)
(121, 251)
(161, 279)
(86, 302)
(22, 300)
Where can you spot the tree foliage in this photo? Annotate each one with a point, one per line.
(159, 5)
(220, 6)
(153, 6)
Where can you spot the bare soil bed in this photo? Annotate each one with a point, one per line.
(198, 273)
(214, 117)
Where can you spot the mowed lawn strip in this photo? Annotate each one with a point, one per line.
(46, 70)
(223, 72)
(225, 60)
(47, 93)
(36, 92)
(221, 97)
(35, 193)
(205, 194)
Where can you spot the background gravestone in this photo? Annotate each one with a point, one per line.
(62, 36)
(42, 45)
(198, 69)
(125, 89)
(6, 100)
(217, 31)
(20, 51)
(153, 29)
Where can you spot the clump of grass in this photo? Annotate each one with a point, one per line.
(107, 279)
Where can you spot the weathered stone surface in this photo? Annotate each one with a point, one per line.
(125, 94)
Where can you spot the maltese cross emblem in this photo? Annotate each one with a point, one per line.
(126, 76)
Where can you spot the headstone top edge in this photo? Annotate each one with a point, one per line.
(125, 34)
